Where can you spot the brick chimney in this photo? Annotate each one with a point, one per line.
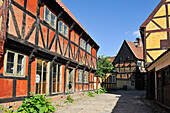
(138, 42)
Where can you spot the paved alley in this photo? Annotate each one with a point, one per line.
(114, 102)
(135, 102)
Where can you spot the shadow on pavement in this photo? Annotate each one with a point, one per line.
(133, 101)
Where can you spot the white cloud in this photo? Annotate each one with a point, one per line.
(136, 33)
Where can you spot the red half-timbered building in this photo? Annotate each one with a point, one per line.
(43, 49)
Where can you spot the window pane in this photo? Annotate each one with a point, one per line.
(10, 57)
(54, 85)
(60, 26)
(81, 42)
(20, 65)
(53, 20)
(65, 30)
(59, 80)
(39, 72)
(10, 68)
(85, 76)
(47, 15)
(10, 63)
(80, 72)
(44, 87)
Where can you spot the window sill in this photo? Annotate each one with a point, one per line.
(14, 75)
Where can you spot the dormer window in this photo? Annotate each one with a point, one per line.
(49, 17)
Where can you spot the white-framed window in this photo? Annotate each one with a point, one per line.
(80, 73)
(83, 44)
(50, 17)
(63, 28)
(88, 48)
(14, 64)
(85, 77)
(42, 77)
(56, 78)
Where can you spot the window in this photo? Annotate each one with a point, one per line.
(60, 26)
(80, 73)
(85, 77)
(56, 79)
(88, 48)
(15, 64)
(42, 77)
(112, 79)
(49, 17)
(63, 28)
(139, 63)
(83, 44)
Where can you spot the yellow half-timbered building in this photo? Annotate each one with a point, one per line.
(155, 33)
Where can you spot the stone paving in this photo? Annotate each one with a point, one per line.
(114, 102)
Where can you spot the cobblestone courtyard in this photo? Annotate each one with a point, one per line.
(114, 102)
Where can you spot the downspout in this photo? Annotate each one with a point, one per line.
(3, 17)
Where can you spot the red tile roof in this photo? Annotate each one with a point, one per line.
(138, 51)
(111, 58)
(71, 15)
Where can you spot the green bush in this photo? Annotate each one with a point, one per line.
(69, 99)
(90, 94)
(100, 90)
(7, 111)
(36, 104)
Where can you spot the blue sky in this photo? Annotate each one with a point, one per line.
(110, 22)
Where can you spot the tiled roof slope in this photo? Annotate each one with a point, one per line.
(111, 59)
(138, 51)
(69, 13)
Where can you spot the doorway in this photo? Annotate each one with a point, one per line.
(70, 80)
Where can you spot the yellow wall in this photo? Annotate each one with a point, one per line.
(156, 35)
(121, 83)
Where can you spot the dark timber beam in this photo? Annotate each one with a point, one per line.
(75, 77)
(32, 55)
(56, 33)
(78, 53)
(38, 24)
(71, 28)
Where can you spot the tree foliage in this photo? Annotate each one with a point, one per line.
(104, 66)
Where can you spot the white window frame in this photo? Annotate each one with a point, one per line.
(50, 13)
(85, 77)
(47, 79)
(83, 44)
(80, 77)
(88, 48)
(14, 74)
(62, 26)
(60, 74)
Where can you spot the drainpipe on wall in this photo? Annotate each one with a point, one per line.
(3, 27)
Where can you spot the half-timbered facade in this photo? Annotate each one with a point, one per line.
(129, 65)
(44, 49)
(155, 32)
